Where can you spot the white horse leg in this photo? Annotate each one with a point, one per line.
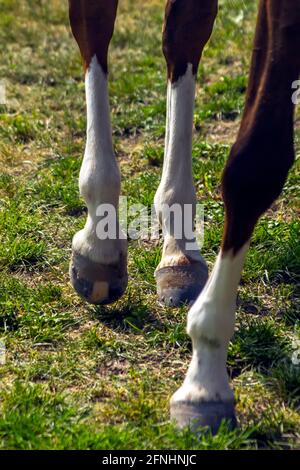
(98, 267)
(182, 272)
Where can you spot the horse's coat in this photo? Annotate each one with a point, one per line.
(253, 177)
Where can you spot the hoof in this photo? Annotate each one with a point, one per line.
(98, 283)
(181, 284)
(203, 414)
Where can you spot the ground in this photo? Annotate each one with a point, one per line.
(78, 376)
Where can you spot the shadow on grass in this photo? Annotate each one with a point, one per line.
(127, 316)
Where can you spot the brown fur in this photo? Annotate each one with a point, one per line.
(263, 153)
(187, 27)
(92, 23)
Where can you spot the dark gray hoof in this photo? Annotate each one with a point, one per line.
(181, 284)
(98, 283)
(203, 414)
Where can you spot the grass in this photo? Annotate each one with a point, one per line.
(78, 376)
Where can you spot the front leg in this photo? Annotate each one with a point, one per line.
(182, 271)
(253, 178)
(205, 398)
(98, 268)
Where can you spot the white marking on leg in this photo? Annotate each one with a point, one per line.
(177, 186)
(99, 179)
(211, 325)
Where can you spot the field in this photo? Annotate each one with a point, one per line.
(78, 376)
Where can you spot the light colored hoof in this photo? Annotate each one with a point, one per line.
(203, 414)
(181, 284)
(98, 283)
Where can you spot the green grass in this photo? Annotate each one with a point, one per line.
(78, 376)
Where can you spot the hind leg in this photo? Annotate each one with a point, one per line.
(98, 268)
(182, 271)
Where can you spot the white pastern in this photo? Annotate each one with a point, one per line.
(177, 186)
(211, 325)
(99, 179)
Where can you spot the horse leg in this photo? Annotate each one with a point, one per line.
(98, 268)
(182, 272)
(253, 178)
